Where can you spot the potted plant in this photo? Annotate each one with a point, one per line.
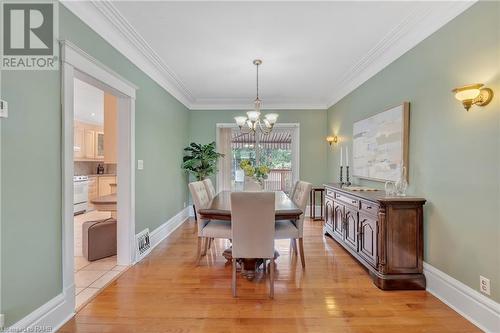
(254, 175)
(201, 160)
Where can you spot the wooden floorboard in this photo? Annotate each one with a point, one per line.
(166, 292)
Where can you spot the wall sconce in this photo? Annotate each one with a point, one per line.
(332, 139)
(473, 94)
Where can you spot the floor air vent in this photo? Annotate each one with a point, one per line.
(143, 244)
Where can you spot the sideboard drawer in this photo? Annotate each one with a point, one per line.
(329, 192)
(369, 207)
(347, 199)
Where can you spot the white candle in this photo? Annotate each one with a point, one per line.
(347, 156)
(341, 159)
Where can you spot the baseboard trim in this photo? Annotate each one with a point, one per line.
(52, 314)
(475, 307)
(164, 230)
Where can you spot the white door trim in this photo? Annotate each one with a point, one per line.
(77, 63)
(295, 147)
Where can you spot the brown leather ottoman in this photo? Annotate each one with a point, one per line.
(99, 239)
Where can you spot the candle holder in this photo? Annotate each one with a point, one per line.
(341, 175)
(348, 181)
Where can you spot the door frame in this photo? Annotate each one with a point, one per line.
(295, 147)
(76, 63)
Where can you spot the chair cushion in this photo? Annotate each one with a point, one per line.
(286, 229)
(217, 229)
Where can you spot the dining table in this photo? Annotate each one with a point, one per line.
(220, 209)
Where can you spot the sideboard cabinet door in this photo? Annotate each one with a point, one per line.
(368, 239)
(351, 228)
(329, 214)
(338, 220)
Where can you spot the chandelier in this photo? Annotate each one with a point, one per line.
(252, 122)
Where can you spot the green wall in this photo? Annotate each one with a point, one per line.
(313, 146)
(454, 154)
(31, 168)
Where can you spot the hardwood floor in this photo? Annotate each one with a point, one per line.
(165, 292)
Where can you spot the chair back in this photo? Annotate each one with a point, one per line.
(210, 188)
(200, 201)
(252, 224)
(292, 192)
(299, 198)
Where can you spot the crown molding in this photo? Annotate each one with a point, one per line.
(414, 28)
(247, 104)
(103, 17)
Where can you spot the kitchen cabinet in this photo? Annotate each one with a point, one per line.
(385, 234)
(93, 191)
(99, 145)
(105, 185)
(78, 142)
(110, 128)
(88, 142)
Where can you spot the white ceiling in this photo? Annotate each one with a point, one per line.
(88, 103)
(314, 53)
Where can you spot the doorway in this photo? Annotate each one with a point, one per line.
(279, 150)
(95, 144)
(84, 140)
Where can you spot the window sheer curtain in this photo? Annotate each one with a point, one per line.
(225, 163)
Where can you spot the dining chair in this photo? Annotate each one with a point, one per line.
(207, 229)
(292, 191)
(252, 230)
(210, 188)
(287, 229)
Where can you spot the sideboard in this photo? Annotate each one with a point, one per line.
(385, 234)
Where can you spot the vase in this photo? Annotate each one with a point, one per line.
(402, 184)
(251, 184)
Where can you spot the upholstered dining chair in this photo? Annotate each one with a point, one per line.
(292, 191)
(294, 230)
(252, 229)
(210, 188)
(207, 229)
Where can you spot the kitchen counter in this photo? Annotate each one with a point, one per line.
(102, 175)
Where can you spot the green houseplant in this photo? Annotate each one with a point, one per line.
(201, 160)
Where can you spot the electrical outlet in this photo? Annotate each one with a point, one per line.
(484, 285)
(4, 109)
(140, 164)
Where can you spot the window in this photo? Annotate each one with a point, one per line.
(276, 150)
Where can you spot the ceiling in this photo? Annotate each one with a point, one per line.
(88, 103)
(313, 53)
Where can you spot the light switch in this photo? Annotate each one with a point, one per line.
(140, 164)
(4, 110)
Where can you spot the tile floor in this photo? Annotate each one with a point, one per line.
(91, 277)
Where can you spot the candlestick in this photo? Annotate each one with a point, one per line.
(347, 156)
(341, 157)
(341, 179)
(348, 182)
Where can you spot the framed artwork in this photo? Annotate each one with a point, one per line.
(380, 144)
